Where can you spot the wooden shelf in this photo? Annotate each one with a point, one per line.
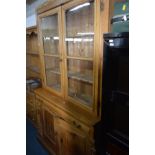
(56, 87)
(55, 71)
(80, 58)
(31, 30)
(85, 99)
(52, 55)
(81, 36)
(80, 77)
(34, 69)
(32, 53)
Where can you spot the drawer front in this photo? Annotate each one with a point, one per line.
(69, 119)
(39, 115)
(54, 122)
(58, 113)
(48, 124)
(30, 112)
(39, 99)
(30, 99)
(78, 125)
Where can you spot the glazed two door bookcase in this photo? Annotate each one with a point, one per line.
(69, 42)
(70, 45)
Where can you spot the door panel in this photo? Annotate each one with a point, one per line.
(51, 53)
(49, 26)
(79, 45)
(49, 126)
(71, 141)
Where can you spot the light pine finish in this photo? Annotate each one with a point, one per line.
(31, 107)
(74, 95)
(70, 140)
(43, 53)
(32, 70)
(76, 23)
(39, 111)
(32, 54)
(61, 106)
(51, 4)
(66, 118)
(61, 133)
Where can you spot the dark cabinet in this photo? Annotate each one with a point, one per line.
(113, 149)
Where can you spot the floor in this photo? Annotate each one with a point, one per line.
(33, 147)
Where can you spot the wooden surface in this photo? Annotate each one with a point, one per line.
(66, 118)
(79, 77)
(71, 141)
(32, 54)
(72, 24)
(50, 4)
(61, 132)
(53, 29)
(59, 104)
(33, 29)
(32, 70)
(31, 107)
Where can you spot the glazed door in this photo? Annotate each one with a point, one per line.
(79, 51)
(51, 52)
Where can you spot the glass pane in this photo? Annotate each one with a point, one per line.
(80, 80)
(52, 69)
(52, 64)
(49, 26)
(80, 30)
(81, 70)
(53, 80)
(80, 91)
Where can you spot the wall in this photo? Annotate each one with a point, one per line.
(31, 6)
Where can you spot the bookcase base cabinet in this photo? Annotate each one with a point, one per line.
(62, 135)
(31, 107)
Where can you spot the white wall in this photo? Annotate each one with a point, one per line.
(31, 12)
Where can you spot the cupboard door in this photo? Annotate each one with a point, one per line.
(30, 106)
(39, 117)
(79, 43)
(71, 141)
(30, 111)
(49, 126)
(50, 31)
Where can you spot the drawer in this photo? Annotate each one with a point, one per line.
(30, 110)
(58, 113)
(39, 101)
(30, 99)
(72, 121)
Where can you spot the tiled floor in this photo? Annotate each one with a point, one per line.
(33, 147)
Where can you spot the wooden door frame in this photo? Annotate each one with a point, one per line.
(41, 49)
(95, 57)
